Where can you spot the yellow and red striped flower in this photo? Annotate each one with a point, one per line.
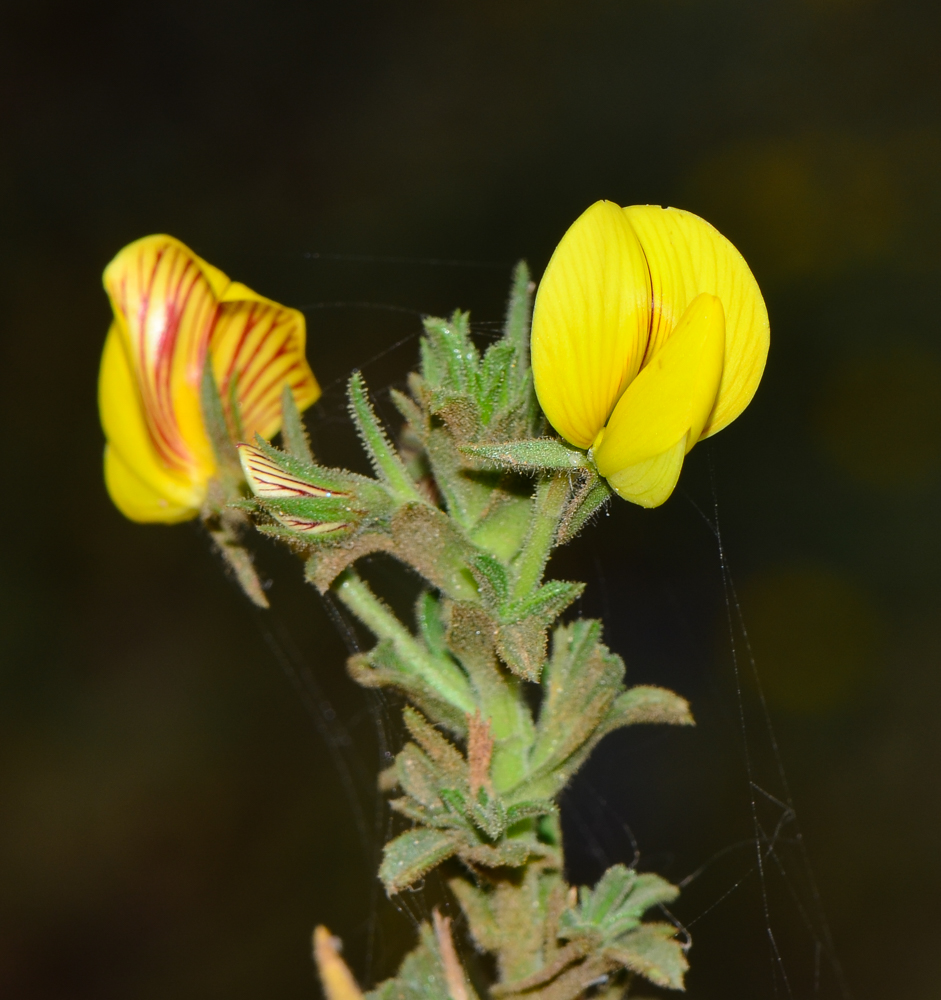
(172, 312)
(649, 334)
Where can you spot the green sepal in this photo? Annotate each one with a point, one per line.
(217, 429)
(522, 637)
(519, 310)
(591, 496)
(529, 456)
(308, 542)
(488, 814)
(449, 357)
(334, 508)
(383, 456)
(411, 412)
(413, 854)
(498, 379)
(293, 431)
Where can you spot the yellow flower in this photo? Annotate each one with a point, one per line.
(649, 334)
(172, 311)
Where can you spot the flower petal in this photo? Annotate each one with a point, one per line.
(271, 482)
(135, 499)
(258, 346)
(650, 483)
(687, 256)
(673, 395)
(164, 300)
(590, 322)
(155, 487)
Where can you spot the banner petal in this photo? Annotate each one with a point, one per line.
(257, 347)
(135, 499)
(164, 301)
(590, 322)
(687, 256)
(673, 395)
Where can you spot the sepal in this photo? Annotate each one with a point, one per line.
(385, 460)
(535, 455)
(293, 432)
(310, 504)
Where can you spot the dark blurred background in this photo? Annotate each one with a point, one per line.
(184, 783)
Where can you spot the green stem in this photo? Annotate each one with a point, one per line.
(551, 494)
(441, 673)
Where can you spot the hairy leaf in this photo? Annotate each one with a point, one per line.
(533, 455)
(653, 952)
(411, 855)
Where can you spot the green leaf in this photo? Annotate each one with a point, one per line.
(431, 625)
(293, 431)
(529, 810)
(504, 525)
(644, 704)
(417, 776)
(493, 580)
(445, 757)
(383, 668)
(385, 461)
(450, 359)
(609, 893)
(522, 647)
(546, 604)
(580, 683)
(413, 854)
(532, 456)
(421, 975)
(479, 913)
(615, 906)
(410, 411)
(498, 378)
(653, 952)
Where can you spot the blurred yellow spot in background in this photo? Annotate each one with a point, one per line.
(815, 635)
(880, 419)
